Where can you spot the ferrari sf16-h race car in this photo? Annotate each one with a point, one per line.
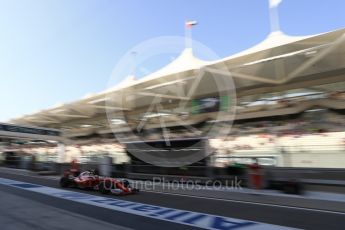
(91, 180)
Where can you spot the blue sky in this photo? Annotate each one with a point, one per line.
(54, 51)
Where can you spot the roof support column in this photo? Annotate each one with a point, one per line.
(61, 152)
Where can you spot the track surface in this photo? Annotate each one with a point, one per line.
(283, 216)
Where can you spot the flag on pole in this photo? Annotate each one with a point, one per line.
(274, 3)
(190, 24)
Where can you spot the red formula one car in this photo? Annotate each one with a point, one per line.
(91, 180)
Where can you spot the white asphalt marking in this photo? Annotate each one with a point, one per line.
(249, 202)
(316, 195)
(308, 196)
(196, 219)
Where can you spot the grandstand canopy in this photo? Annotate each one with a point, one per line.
(277, 64)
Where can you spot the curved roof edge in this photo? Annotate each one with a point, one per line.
(273, 40)
(185, 61)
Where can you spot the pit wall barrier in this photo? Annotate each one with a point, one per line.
(316, 179)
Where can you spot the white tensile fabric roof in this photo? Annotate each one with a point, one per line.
(277, 60)
(185, 62)
(274, 39)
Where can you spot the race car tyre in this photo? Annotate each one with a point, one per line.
(104, 187)
(292, 187)
(76, 173)
(64, 182)
(73, 184)
(126, 183)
